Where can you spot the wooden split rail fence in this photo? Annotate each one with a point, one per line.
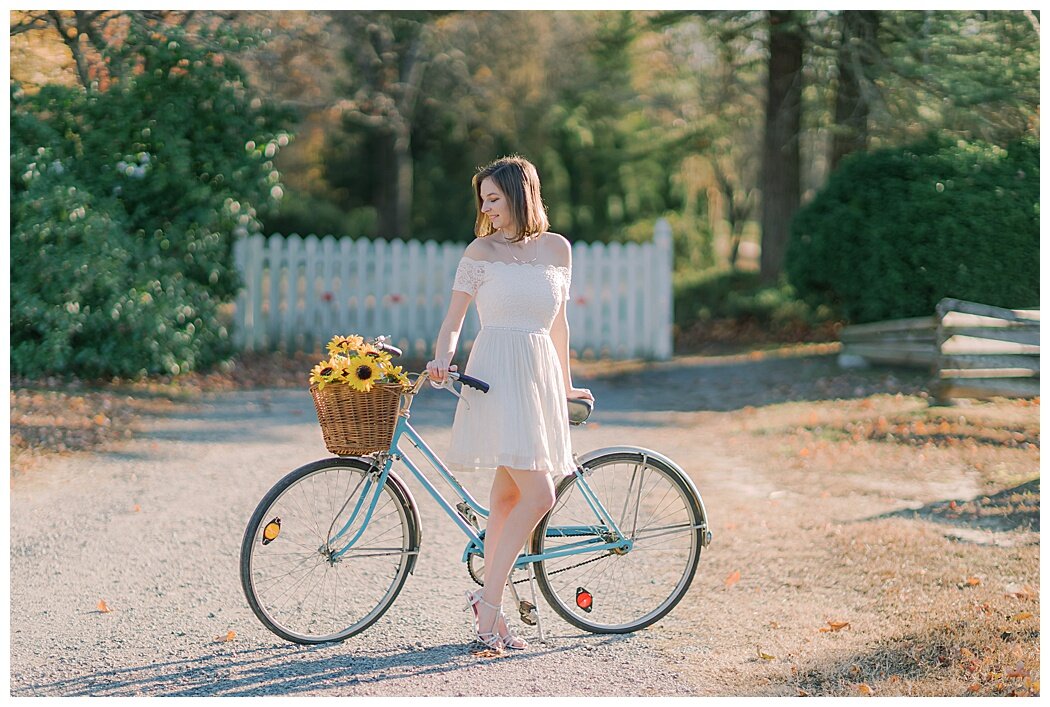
(973, 350)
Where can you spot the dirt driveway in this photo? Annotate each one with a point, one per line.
(863, 544)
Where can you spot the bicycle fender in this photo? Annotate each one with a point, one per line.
(630, 449)
(418, 540)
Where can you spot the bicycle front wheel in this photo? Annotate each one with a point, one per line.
(295, 577)
(620, 590)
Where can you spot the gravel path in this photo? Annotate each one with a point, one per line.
(153, 529)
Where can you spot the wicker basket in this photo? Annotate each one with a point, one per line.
(354, 423)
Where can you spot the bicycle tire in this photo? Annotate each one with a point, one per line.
(360, 587)
(617, 583)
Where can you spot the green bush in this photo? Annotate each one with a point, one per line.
(719, 294)
(895, 231)
(124, 207)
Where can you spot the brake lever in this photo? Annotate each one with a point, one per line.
(447, 385)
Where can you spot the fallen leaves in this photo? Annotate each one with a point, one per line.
(865, 689)
(230, 635)
(834, 626)
(1024, 592)
(765, 656)
(732, 579)
(1021, 616)
(937, 431)
(103, 608)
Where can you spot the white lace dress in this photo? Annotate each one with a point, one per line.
(522, 422)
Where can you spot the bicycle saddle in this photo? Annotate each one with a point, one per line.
(579, 410)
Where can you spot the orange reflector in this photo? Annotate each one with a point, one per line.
(584, 600)
(271, 531)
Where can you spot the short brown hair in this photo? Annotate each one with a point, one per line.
(517, 178)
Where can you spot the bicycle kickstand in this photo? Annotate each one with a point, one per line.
(529, 611)
(532, 588)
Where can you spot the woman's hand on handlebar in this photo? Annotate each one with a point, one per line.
(438, 369)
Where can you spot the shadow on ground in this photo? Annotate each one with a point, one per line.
(284, 669)
(905, 665)
(722, 384)
(1015, 508)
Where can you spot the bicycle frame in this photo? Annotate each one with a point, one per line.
(604, 535)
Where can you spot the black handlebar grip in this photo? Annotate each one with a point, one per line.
(475, 383)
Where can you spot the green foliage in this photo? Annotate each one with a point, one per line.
(308, 214)
(705, 296)
(896, 230)
(125, 204)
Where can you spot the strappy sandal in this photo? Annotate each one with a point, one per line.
(490, 639)
(509, 641)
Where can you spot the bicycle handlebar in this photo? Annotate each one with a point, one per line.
(475, 383)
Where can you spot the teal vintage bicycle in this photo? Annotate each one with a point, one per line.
(331, 545)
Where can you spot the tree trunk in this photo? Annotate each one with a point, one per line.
(850, 134)
(781, 190)
(403, 178)
(393, 196)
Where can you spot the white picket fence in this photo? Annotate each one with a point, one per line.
(299, 292)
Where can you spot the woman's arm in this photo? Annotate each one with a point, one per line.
(448, 336)
(560, 337)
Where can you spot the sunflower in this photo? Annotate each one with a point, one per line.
(361, 373)
(344, 344)
(323, 373)
(398, 375)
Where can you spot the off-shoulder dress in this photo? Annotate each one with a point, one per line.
(522, 422)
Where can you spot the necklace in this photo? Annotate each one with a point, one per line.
(523, 262)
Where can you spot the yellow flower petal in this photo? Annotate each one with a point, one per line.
(362, 373)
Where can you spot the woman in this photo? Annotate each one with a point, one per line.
(519, 274)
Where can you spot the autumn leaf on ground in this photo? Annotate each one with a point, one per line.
(865, 689)
(100, 419)
(972, 581)
(102, 607)
(976, 687)
(1021, 616)
(1025, 592)
(765, 656)
(732, 579)
(230, 635)
(834, 626)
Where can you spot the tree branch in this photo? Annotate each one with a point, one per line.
(73, 43)
(31, 23)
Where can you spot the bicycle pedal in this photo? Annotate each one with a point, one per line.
(528, 612)
(467, 514)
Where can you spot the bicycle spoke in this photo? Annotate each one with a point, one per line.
(301, 588)
(653, 510)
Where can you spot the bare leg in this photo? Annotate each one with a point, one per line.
(502, 499)
(512, 518)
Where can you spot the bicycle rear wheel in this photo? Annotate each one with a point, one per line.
(293, 576)
(619, 591)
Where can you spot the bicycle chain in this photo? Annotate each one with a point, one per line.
(470, 569)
